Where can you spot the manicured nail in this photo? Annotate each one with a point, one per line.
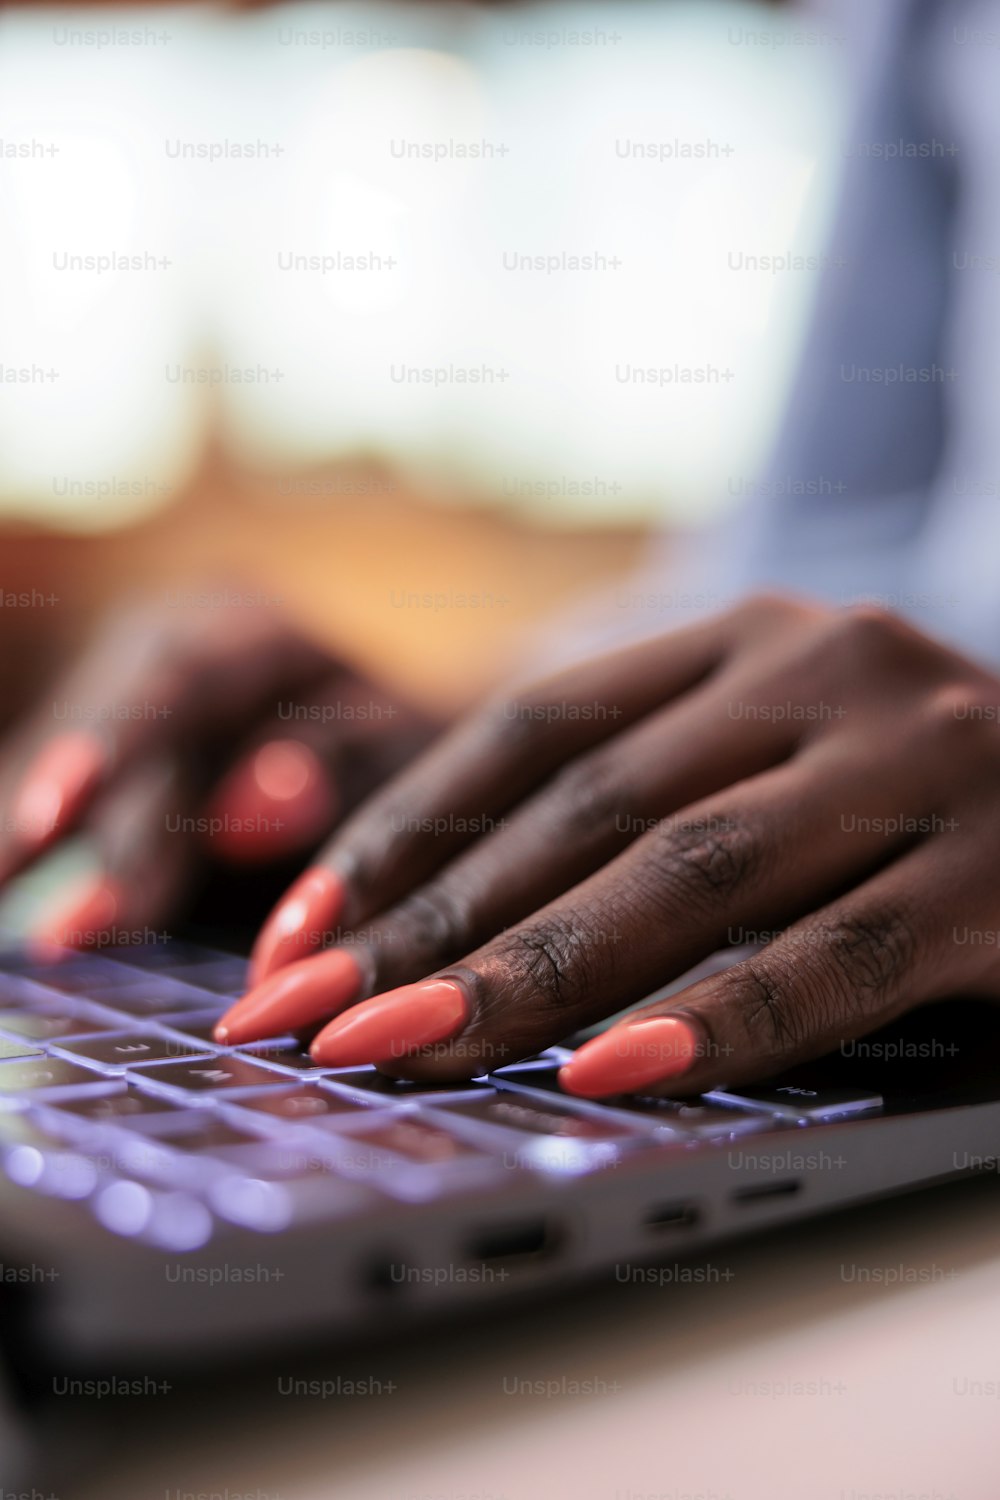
(297, 996)
(275, 801)
(392, 1025)
(60, 779)
(80, 920)
(298, 923)
(631, 1056)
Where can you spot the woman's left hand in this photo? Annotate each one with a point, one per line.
(826, 779)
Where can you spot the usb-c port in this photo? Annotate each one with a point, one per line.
(767, 1190)
(514, 1245)
(671, 1216)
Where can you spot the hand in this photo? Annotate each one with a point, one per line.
(829, 778)
(203, 728)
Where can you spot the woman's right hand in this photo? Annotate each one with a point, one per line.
(205, 725)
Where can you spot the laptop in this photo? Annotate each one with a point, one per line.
(165, 1201)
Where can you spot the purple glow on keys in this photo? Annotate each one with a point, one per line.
(264, 1206)
(63, 1173)
(179, 1223)
(124, 1207)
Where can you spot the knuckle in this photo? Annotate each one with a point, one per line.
(769, 607)
(868, 632)
(700, 866)
(966, 712)
(774, 1012)
(546, 961)
(869, 952)
(788, 1000)
(862, 648)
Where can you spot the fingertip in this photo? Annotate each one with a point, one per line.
(569, 1080)
(57, 783)
(394, 1024)
(279, 798)
(629, 1056)
(300, 923)
(298, 996)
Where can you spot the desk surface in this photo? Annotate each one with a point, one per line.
(853, 1358)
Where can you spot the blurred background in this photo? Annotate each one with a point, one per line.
(359, 300)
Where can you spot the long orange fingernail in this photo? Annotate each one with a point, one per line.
(277, 800)
(62, 776)
(631, 1056)
(299, 922)
(296, 997)
(393, 1024)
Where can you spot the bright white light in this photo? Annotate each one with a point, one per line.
(531, 152)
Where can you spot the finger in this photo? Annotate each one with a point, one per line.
(843, 971)
(145, 682)
(776, 848)
(464, 785)
(277, 800)
(50, 797)
(143, 853)
(313, 756)
(574, 825)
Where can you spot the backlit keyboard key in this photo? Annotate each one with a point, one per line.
(82, 976)
(529, 1135)
(130, 1104)
(371, 1081)
(517, 1111)
(48, 1074)
(416, 1141)
(17, 1049)
(304, 1104)
(24, 994)
(204, 1130)
(214, 1075)
(788, 1101)
(154, 996)
(291, 1058)
(690, 1119)
(198, 1028)
(226, 977)
(121, 1052)
(411, 1160)
(41, 1027)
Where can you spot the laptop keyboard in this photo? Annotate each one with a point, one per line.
(113, 1094)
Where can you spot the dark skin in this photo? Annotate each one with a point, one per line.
(179, 699)
(858, 827)
(829, 776)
